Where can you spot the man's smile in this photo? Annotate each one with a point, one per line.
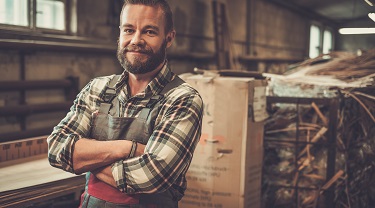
(137, 53)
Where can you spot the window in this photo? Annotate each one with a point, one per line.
(14, 12)
(327, 41)
(320, 42)
(314, 41)
(48, 14)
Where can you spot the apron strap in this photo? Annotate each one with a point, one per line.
(109, 95)
(177, 81)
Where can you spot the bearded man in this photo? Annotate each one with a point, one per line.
(133, 134)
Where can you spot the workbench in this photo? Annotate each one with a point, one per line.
(29, 180)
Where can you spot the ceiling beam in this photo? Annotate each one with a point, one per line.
(306, 13)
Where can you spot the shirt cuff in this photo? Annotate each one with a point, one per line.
(118, 174)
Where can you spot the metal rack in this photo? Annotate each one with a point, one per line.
(22, 110)
(330, 143)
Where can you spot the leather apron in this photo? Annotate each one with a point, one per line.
(108, 125)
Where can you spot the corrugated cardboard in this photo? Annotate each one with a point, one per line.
(227, 164)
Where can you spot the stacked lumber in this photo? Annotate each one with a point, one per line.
(32, 180)
(27, 178)
(340, 75)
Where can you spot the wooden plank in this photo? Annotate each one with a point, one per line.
(32, 179)
(30, 173)
(27, 196)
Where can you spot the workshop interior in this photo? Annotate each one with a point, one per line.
(288, 90)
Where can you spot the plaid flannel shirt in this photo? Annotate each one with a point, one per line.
(169, 150)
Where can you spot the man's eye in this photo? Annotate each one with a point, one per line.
(150, 32)
(127, 31)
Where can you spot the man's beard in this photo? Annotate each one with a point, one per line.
(139, 67)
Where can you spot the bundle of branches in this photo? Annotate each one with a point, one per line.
(294, 175)
(295, 158)
(288, 167)
(357, 132)
(341, 65)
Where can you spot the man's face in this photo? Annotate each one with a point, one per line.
(142, 42)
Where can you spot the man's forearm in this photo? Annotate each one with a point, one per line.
(105, 173)
(91, 154)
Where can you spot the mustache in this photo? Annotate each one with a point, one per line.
(138, 49)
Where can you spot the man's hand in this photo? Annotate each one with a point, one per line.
(105, 174)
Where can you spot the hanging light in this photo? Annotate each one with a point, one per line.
(356, 31)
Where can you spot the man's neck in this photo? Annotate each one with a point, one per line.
(139, 82)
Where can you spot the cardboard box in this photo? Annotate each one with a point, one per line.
(226, 168)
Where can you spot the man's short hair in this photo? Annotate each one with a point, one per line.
(154, 3)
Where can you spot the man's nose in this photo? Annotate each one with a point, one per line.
(137, 39)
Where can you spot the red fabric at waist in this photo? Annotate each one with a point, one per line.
(103, 191)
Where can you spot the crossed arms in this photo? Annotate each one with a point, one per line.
(155, 167)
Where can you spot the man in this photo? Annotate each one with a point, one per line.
(133, 134)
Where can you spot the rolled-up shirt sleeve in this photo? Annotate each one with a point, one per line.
(74, 126)
(168, 152)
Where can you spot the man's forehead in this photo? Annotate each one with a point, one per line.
(139, 11)
(142, 16)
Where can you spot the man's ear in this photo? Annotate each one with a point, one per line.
(170, 37)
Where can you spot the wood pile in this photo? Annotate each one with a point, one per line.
(288, 165)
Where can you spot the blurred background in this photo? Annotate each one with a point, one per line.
(50, 49)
